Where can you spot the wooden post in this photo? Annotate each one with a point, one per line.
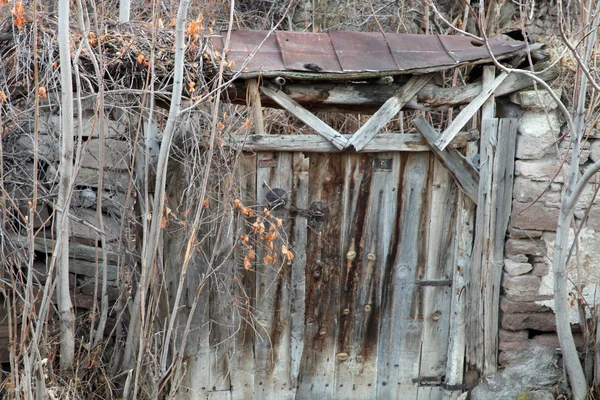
(255, 102)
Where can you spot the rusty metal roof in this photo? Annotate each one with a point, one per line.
(352, 54)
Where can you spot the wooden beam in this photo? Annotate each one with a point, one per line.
(367, 98)
(306, 116)
(257, 113)
(467, 113)
(465, 174)
(388, 111)
(318, 144)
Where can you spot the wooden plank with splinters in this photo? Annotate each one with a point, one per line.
(467, 113)
(465, 174)
(306, 116)
(388, 111)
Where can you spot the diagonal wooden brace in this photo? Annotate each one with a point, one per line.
(388, 111)
(461, 169)
(306, 116)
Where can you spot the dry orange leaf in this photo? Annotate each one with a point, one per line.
(42, 93)
(163, 223)
(220, 125)
(246, 124)
(279, 221)
(268, 259)
(19, 15)
(251, 254)
(140, 58)
(206, 203)
(3, 97)
(237, 203)
(231, 64)
(244, 238)
(247, 263)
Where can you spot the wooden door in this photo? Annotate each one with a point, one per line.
(362, 311)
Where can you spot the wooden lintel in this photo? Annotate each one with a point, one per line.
(306, 116)
(463, 171)
(467, 113)
(367, 98)
(388, 111)
(383, 142)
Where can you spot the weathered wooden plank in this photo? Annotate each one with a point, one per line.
(439, 266)
(273, 288)
(369, 224)
(462, 170)
(306, 116)
(253, 94)
(322, 274)
(463, 248)
(244, 290)
(299, 198)
(367, 98)
(468, 112)
(401, 328)
(388, 111)
(318, 144)
(476, 344)
(500, 207)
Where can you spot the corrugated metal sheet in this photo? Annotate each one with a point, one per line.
(268, 53)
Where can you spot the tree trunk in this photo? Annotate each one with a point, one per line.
(65, 306)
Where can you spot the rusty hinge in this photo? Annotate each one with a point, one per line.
(446, 282)
(429, 380)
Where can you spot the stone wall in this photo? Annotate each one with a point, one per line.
(527, 317)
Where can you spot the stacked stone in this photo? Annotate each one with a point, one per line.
(527, 285)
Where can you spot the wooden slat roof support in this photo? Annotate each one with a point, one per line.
(383, 142)
(388, 111)
(467, 113)
(463, 171)
(305, 116)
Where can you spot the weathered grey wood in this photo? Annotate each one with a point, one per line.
(489, 106)
(272, 346)
(300, 248)
(367, 98)
(318, 144)
(401, 329)
(500, 208)
(462, 170)
(76, 250)
(467, 113)
(244, 289)
(463, 247)
(368, 224)
(306, 116)
(388, 111)
(439, 266)
(322, 275)
(253, 94)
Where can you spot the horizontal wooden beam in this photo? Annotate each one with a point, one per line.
(463, 171)
(367, 98)
(318, 144)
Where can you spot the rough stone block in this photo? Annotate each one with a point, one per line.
(537, 134)
(526, 190)
(516, 268)
(519, 258)
(533, 247)
(518, 233)
(536, 216)
(509, 306)
(521, 285)
(535, 99)
(513, 336)
(503, 345)
(545, 322)
(551, 340)
(540, 269)
(544, 169)
(82, 230)
(595, 150)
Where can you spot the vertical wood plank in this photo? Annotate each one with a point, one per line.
(273, 289)
(463, 248)
(244, 290)
(322, 277)
(400, 337)
(299, 200)
(256, 104)
(439, 266)
(369, 225)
